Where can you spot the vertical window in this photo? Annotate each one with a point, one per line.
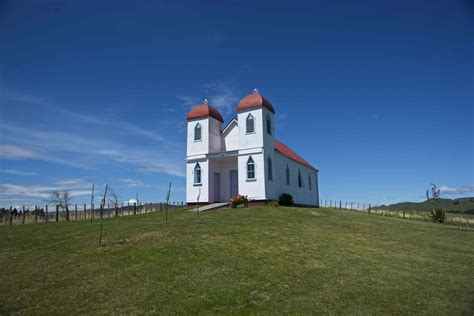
(250, 169)
(287, 175)
(300, 180)
(197, 132)
(250, 127)
(270, 169)
(309, 182)
(197, 174)
(269, 125)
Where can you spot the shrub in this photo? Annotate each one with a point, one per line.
(286, 200)
(239, 199)
(438, 215)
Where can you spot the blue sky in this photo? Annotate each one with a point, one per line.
(378, 95)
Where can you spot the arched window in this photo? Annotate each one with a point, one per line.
(300, 180)
(197, 132)
(197, 174)
(250, 169)
(269, 124)
(250, 126)
(309, 182)
(270, 169)
(287, 175)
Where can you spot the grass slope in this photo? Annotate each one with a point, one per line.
(258, 260)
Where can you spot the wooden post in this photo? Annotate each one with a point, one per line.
(57, 213)
(11, 215)
(36, 214)
(23, 219)
(47, 214)
(85, 211)
(135, 208)
(75, 210)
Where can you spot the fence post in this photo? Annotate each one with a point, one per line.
(57, 213)
(75, 210)
(351, 205)
(23, 219)
(369, 208)
(85, 211)
(11, 215)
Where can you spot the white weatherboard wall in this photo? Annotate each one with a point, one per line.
(192, 190)
(301, 195)
(230, 137)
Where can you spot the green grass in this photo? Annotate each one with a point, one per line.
(243, 261)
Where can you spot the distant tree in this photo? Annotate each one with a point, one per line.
(113, 199)
(62, 199)
(438, 215)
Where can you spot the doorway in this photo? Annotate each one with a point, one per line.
(217, 187)
(234, 183)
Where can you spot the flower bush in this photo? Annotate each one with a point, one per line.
(239, 199)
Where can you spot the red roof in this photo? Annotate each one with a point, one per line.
(205, 110)
(287, 152)
(254, 100)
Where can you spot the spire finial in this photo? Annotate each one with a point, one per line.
(206, 101)
(255, 91)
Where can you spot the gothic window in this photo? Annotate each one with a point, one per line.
(287, 175)
(300, 180)
(270, 169)
(197, 174)
(250, 169)
(197, 132)
(269, 125)
(250, 127)
(310, 185)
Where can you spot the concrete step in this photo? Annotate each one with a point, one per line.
(210, 207)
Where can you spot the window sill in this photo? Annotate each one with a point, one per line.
(249, 133)
(198, 141)
(251, 180)
(197, 184)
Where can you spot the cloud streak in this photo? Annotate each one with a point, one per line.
(467, 189)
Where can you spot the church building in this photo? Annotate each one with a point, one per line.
(243, 157)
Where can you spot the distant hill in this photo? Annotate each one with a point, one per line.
(461, 205)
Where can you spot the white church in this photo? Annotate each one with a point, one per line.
(243, 157)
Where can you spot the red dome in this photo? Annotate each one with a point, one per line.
(205, 110)
(254, 100)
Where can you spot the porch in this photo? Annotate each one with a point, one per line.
(223, 177)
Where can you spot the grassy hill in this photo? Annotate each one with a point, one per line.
(243, 261)
(461, 205)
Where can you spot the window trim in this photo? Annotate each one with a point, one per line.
(250, 161)
(198, 126)
(300, 179)
(250, 117)
(197, 167)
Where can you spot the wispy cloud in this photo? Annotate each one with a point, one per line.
(8, 151)
(131, 183)
(460, 190)
(18, 172)
(17, 192)
(221, 95)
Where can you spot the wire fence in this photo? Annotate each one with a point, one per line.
(50, 214)
(458, 219)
